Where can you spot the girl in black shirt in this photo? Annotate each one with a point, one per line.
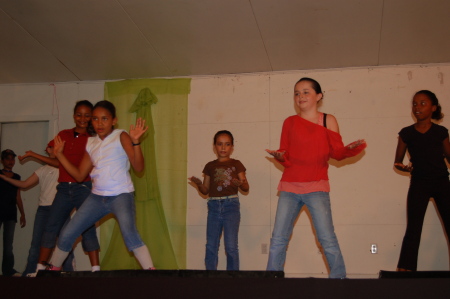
(428, 146)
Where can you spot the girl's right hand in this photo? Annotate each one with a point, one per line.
(195, 180)
(402, 167)
(277, 154)
(59, 145)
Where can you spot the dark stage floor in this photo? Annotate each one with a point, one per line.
(221, 284)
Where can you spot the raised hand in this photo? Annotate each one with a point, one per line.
(136, 131)
(279, 155)
(59, 145)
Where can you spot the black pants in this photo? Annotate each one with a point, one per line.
(419, 195)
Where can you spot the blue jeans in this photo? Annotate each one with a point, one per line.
(9, 227)
(40, 222)
(289, 206)
(223, 214)
(93, 209)
(69, 196)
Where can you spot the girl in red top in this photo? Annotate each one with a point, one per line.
(70, 194)
(308, 141)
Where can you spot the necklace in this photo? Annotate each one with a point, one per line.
(6, 170)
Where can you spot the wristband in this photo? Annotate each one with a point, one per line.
(135, 144)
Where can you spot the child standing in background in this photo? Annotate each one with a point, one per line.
(47, 176)
(107, 157)
(428, 146)
(9, 199)
(222, 179)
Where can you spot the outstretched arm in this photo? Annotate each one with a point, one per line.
(202, 187)
(400, 155)
(78, 173)
(31, 181)
(47, 160)
(132, 145)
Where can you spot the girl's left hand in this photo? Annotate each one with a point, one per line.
(237, 182)
(402, 167)
(138, 130)
(356, 143)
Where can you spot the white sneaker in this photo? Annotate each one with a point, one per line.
(31, 274)
(17, 274)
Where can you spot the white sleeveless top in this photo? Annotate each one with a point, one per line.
(110, 175)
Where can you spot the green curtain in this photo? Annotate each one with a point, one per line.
(160, 194)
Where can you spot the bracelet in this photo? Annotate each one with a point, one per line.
(135, 144)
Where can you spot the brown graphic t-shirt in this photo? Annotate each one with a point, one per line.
(221, 175)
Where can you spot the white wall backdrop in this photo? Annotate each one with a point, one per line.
(368, 197)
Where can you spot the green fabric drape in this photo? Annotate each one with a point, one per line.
(160, 194)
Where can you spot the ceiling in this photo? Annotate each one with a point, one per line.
(86, 40)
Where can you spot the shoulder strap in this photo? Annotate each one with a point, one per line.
(325, 120)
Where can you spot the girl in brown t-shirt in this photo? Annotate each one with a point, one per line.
(223, 178)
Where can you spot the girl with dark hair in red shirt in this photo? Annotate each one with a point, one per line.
(70, 194)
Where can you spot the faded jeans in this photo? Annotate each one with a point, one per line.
(68, 197)
(223, 214)
(93, 209)
(289, 206)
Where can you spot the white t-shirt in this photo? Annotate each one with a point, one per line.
(48, 179)
(110, 175)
